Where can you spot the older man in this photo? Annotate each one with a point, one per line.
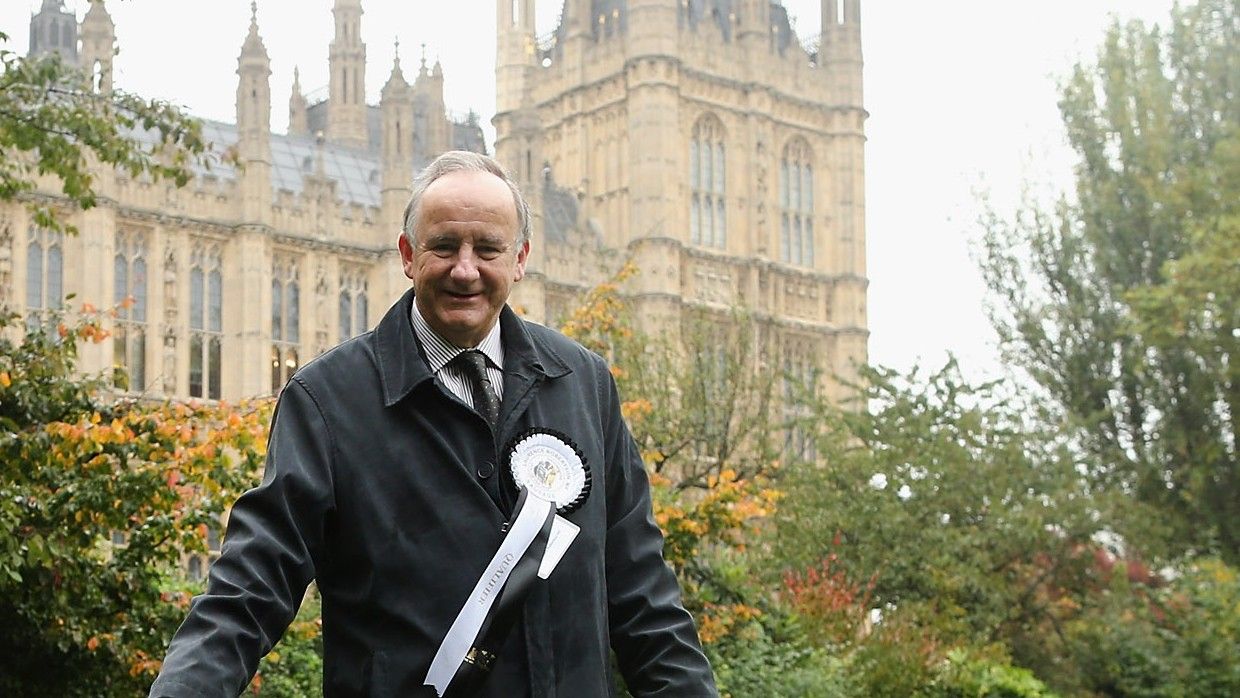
(415, 472)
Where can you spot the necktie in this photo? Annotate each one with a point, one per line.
(474, 364)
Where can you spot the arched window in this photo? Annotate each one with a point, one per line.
(707, 182)
(353, 304)
(800, 383)
(206, 321)
(285, 320)
(44, 274)
(129, 293)
(796, 202)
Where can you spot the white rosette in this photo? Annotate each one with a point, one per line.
(551, 467)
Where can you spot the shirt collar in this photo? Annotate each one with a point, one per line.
(440, 351)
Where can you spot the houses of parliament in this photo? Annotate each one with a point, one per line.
(701, 140)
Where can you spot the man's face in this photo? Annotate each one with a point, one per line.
(465, 258)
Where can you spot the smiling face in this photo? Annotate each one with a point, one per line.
(465, 257)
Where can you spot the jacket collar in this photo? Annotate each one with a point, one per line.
(403, 367)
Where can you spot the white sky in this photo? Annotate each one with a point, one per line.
(961, 95)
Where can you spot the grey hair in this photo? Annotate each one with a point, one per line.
(462, 161)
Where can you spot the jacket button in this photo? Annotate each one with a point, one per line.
(486, 470)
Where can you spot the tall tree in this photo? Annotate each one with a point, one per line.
(1137, 361)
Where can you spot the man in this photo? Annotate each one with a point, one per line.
(388, 483)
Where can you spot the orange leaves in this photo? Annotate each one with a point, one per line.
(599, 320)
(722, 515)
(93, 333)
(5, 380)
(634, 411)
(142, 664)
(718, 620)
(196, 453)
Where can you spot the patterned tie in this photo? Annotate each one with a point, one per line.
(474, 364)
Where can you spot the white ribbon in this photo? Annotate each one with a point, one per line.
(468, 621)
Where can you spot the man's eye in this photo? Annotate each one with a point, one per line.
(487, 252)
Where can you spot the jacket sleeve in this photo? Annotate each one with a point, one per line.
(254, 589)
(653, 636)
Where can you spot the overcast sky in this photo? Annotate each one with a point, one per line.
(961, 95)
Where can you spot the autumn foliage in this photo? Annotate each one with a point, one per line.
(102, 499)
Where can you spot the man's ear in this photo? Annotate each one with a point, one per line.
(406, 254)
(522, 255)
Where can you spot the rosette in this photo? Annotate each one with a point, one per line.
(551, 467)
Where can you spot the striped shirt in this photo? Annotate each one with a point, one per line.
(439, 352)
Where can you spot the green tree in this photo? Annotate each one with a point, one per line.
(53, 124)
(99, 501)
(939, 506)
(1119, 301)
(1163, 639)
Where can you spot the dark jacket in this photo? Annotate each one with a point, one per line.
(383, 487)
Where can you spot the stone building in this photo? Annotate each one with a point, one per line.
(710, 144)
(702, 139)
(226, 286)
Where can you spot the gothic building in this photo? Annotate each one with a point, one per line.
(709, 143)
(226, 286)
(702, 139)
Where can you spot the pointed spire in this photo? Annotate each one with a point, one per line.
(397, 79)
(253, 42)
(422, 72)
(437, 71)
(98, 15)
(297, 118)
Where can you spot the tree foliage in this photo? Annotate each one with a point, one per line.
(53, 124)
(940, 506)
(1176, 639)
(1120, 301)
(101, 501)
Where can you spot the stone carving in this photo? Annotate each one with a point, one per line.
(170, 321)
(6, 262)
(321, 317)
(760, 190)
(712, 283)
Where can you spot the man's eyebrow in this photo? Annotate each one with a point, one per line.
(441, 238)
(493, 240)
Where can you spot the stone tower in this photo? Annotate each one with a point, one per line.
(709, 143)
(254, 124)
(346, 116)
(98, 46)
(298, 124)
(53, 29)
(396, 106)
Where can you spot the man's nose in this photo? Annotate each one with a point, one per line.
(465, 268)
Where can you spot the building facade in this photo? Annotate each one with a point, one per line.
(700, 139)
(267, 258)
(708, 143)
